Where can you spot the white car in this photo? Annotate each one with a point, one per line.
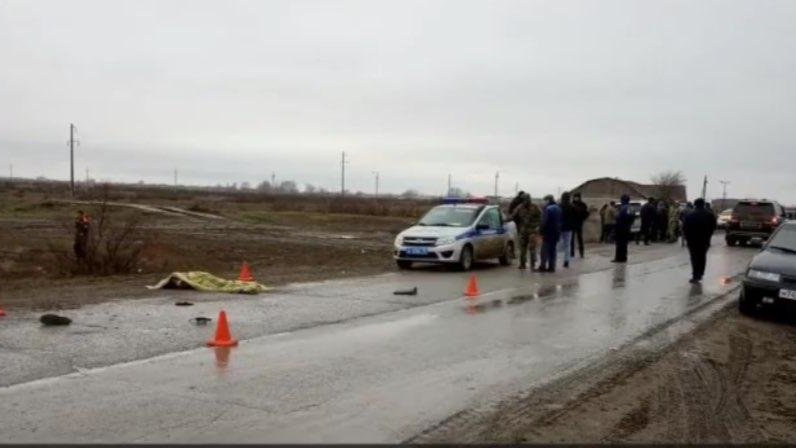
(458, 232)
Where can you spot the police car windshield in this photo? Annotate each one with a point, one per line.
(449, 217)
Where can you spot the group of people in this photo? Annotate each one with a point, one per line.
(559, 225)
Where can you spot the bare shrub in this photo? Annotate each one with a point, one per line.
(115, 245)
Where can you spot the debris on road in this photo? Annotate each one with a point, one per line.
(184, 304)
(406, 292)
(54, 319)
(201, 320)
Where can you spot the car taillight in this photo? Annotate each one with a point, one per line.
(775, 220)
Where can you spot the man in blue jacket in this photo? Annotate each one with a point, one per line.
(624, 221)
(551, 232)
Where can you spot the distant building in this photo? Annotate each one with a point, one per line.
(604, 189)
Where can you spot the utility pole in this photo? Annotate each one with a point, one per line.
(273, 180)
(175, 177)
(516, 187)
(72, 130)
(724, 184)
(704, 186)
(497, 177)
(342, 175)
(377, 182)
(449, 185)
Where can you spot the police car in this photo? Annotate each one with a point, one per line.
(458, 232)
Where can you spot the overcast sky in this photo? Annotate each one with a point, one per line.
(550, 93)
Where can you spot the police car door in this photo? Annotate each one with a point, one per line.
(488, 239)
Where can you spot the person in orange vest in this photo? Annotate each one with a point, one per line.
(82, 230)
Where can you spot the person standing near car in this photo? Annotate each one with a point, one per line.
(527, 217)
(568, 224)
(581, 215)
(648, 216)
(624, 221)
(551, 232)
(698, 228)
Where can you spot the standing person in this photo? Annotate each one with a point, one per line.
(601, 212)
(663, 220)
(674, 228)
(581, 215)
(551, 232)
(527, 217)
(648, 216)
(698, 229)
(689, 207)
(568, 223)
(610, 222)
(82, 230)
(624, 221)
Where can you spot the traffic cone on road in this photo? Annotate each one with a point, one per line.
(223, 337)
(245, 273)
(472, 287)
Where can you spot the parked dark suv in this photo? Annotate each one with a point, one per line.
(753, 219)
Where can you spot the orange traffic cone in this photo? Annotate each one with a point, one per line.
(472, 287)
(245, 273)
(223, 338)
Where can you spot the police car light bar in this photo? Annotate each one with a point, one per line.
(465, 201)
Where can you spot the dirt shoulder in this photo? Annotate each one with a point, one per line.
(731, 381)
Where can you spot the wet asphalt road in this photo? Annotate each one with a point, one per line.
(342, 361)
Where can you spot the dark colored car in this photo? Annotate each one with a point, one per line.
(753, 219)
(770, 279)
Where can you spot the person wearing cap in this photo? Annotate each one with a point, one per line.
(527, 216)
(624, 221)
(551, 232)
(698, 228)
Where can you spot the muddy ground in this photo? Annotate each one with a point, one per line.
(281, 247)
(731, 381)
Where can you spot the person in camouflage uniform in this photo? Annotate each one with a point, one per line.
(527, 217)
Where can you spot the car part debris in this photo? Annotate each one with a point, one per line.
(184, 303)
(201, 320)
(54, 319)
(406, 292)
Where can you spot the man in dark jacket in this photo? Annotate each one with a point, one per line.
(698, 228)
(568, 223)
(516, 202)
(648, 216)
(581, 215)
(551, 232)
(624, 221)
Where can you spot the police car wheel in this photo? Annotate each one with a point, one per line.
(508, 255)
(466, 258)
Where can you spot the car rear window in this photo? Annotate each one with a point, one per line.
(784, 239)
(754, 209)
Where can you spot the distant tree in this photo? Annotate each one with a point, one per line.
(410, 194)
(264, 186)
(309, 188)
(245, 186)
(667, 182)
(288, 186)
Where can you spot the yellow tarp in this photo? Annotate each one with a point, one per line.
(203, 281)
